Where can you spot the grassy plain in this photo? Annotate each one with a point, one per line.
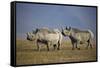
(27, 53)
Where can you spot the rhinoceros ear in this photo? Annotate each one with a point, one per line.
(33, 31)
(66, 27)
(69, 28)
(27, 33)
(36, 30)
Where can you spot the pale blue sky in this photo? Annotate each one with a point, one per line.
(31, 16)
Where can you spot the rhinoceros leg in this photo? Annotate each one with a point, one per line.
(54, 46)
(77, 45)
(38, 46)
(48, 43)
(58, 45)
(89, 44)
(73, 45)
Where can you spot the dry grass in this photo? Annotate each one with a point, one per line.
(27, 53)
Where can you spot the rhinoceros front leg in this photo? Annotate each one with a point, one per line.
(54, 46)
(76, 44)
(48, 43)
(38, 46)
(59, 43)
(73, 44)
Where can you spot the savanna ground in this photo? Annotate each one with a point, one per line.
(27, 53)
